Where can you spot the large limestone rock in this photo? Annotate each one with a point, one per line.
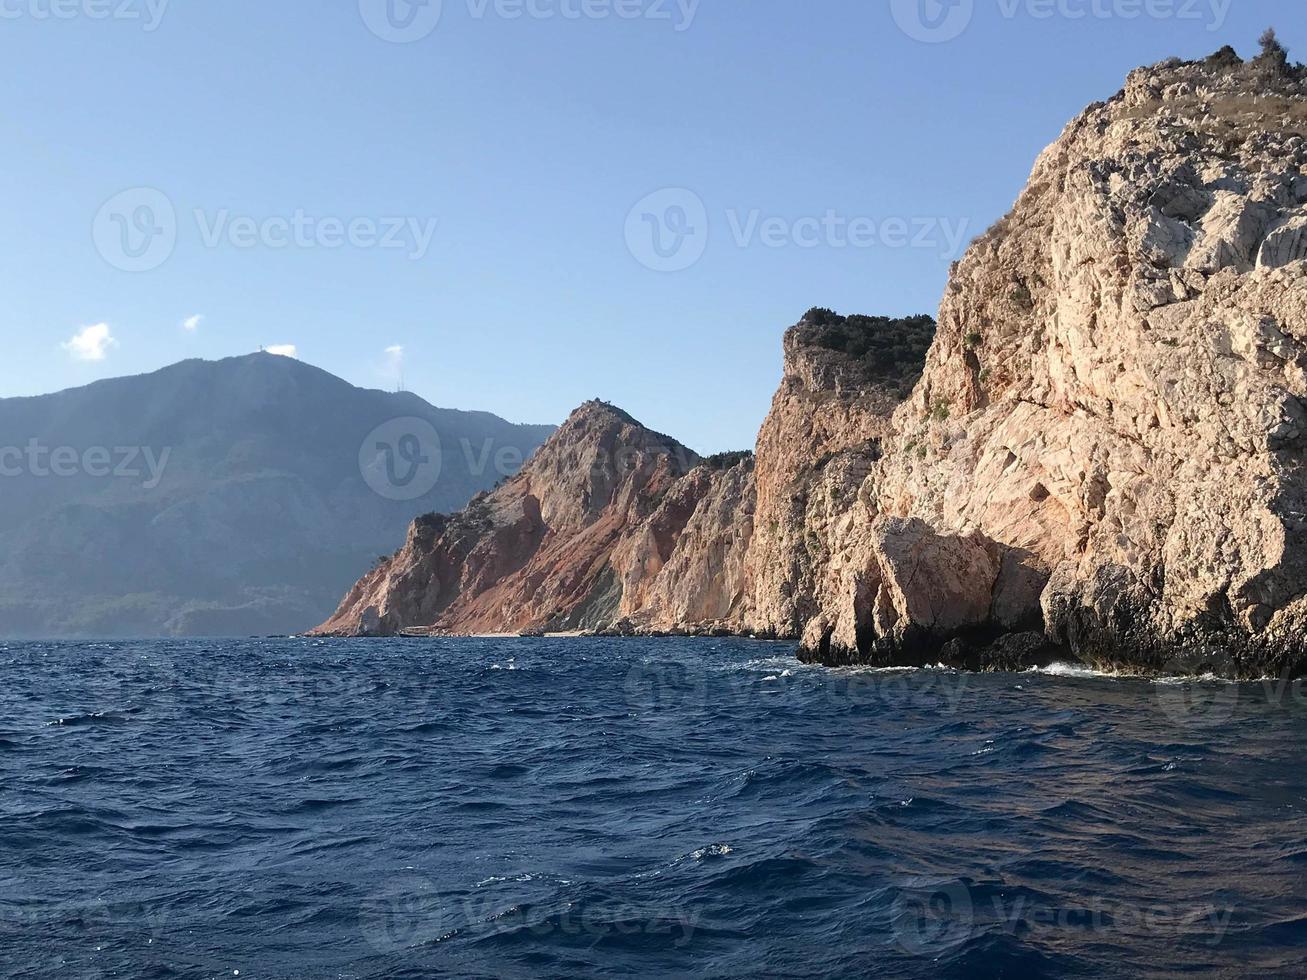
(844, 376)
(1116, 390)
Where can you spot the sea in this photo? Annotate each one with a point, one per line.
(587, 807)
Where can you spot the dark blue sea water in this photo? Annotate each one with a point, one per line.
(637, 808)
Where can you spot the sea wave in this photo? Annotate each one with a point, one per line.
(292, 808)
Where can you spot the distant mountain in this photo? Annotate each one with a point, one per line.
(217, 498)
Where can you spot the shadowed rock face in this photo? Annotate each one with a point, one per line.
(1101, 456)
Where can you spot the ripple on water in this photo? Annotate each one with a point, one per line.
(591, 807)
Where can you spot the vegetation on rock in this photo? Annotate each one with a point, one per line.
(885, 345)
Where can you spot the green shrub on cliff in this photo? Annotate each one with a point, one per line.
(1273, 52)
(1274, 59)
(885, 345)
(728, 460)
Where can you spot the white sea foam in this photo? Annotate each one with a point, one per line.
(1081, 671)
(785, 664)
(878, 670)
(497, 879)
(1070, 670)
(1193, 679)
(712, 851)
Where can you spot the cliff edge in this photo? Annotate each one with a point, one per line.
(1108, 436)
(1097, 455)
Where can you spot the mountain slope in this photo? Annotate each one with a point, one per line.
(1108, 439)
(211, 498)
(558, 547)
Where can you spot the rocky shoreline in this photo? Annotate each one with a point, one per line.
(1096, 456)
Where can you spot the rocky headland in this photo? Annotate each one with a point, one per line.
(1097, 454)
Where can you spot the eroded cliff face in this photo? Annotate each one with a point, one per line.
(1101, 457)
(1109, 432)
(609, 526)
(683, 570)
(843, 379)
(612, 527)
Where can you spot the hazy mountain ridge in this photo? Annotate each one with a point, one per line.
(260, 515)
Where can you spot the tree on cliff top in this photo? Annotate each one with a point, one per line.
(1274, 59)
(1272, 49)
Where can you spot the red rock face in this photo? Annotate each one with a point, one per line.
(576, 541)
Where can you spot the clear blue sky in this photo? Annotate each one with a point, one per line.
(529, 140)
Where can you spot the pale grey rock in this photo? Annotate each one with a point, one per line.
(1134, 424)
(1285, 243)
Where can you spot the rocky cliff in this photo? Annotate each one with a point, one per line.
(1100, 457)
(843, 379)
(609, 525)
(1108, 436)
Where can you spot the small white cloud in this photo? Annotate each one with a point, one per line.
(282, 350)
(192, 323)
(392, 365)
(90, 343)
